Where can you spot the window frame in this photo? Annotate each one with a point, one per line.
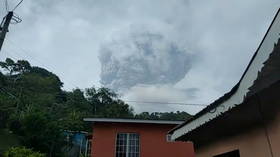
(127, 144)
(168, 138)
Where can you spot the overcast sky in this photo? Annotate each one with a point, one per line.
(190, 51)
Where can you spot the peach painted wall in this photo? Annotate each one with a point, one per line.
(152, 140)
(251, 144)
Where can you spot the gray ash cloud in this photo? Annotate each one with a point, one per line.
(142, 57)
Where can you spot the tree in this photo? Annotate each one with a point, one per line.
(143, 115)
(22, 152)
(164, 115)
(117, 109)
(105, 103)
(30, 97)
(34, 107)
(100, 98)
(39, 131)
(76, 101)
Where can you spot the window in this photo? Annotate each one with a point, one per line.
(168, 138)
(88, 148)
(234, 153)
(127, 145)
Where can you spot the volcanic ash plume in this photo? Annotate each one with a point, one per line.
(142, 58)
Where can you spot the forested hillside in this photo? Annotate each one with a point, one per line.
(34, 107)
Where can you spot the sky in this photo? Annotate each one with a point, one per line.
(187, 51)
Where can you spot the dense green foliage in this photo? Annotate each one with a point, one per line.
(8, 140)
(22, 152)
(34, 107)
(164, 115)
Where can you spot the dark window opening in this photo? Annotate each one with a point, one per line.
(234, 153)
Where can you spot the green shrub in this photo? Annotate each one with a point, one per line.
(22, 152)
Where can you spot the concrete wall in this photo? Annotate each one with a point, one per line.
(152, 140)
(253, 143)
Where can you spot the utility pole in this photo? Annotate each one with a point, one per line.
(4, 30)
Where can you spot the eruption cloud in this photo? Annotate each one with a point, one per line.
(142, 57)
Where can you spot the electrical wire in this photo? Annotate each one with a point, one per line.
(133, 101)
(14, 55)
(15, 19)
(7, 5)
(17, 5)
(22, 52)
(10, 55)
(173, 103)
(32, 58)
(18, 55)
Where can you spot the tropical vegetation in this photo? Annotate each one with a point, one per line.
(35, 108)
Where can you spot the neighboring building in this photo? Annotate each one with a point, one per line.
(136, 138)
(80, 143)
(246, 121)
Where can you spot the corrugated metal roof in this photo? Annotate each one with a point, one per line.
(118, 120)
(237, 94)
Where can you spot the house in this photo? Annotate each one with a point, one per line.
(135, 138)
(245, 122)
(80, 143)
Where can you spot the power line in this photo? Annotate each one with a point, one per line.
(11, 51)
(28, 54)
(132, 101)
(173, 103)
(6, 5)
(10, 55)
(16, 6)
